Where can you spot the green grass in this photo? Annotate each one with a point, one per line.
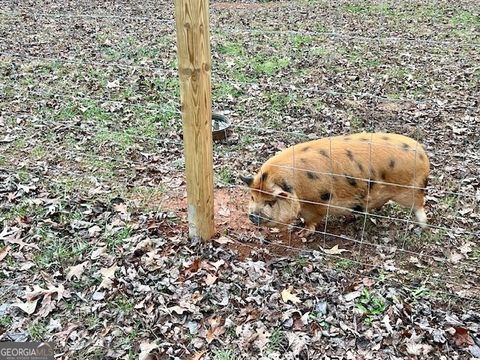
(224, 91)
(466, 19)
(5, 321)
(320, 51)
(300, 41)
(56, 252)
(124, 304)
(37, 330)
(226, 176)
(279, 102)
(270, 65)
(370, 305)
(115, 241)
(421, 293)
(231, 48)
(344, 264)
(276, 340)
(223, 355)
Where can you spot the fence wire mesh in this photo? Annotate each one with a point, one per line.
(88, 105)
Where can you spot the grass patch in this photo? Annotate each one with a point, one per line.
(115, 241)
(276, 341)
(37, 330)
(223, 355)
(231, 48)
(5, 321)
(344, 264)
(466, 19)
(56, 252)
(300, 41)
(226, 176)
(265, 65)
(370, 305)
(225, 91)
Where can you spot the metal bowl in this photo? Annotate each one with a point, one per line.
(220, 126)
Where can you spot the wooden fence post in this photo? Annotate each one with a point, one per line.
(194, 64)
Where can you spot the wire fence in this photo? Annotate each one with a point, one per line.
(431, 255)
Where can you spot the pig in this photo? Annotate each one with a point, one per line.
(339, 175)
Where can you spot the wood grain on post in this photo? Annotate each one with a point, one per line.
(194, 64)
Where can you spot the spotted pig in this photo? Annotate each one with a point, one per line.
(338, 176)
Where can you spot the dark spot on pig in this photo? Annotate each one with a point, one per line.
(303, 160)
(323, 153)
(306, 148)
(405, 147)
(351, 180)
(285, 186)
(383, 175)
(386, 138)
(422, 157)
(264, 176)
(392, 164)
(312, 176)
(326, 196)
(363, 139)
(358, 208)
(370, 184)
(360, 166)
(347, 138)
(349, 154)
(425, 184)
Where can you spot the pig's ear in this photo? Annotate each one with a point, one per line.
(248, 180)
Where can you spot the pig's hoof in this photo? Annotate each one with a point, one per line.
(308, 231)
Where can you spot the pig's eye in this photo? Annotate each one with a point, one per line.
(270, 202)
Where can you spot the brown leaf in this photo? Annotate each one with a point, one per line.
(210, 279)
(107, 276)
(223, 240)
(145, 349)
(216, 328)
(288, 296)
(334, 250)
(76, 271)
(4, 252)
(29, 306)
(462, 337)
(198, 355)
(121, 208)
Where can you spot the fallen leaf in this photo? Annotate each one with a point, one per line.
(210, 279)
(225, 212)
(466, 248)
(454, 257)
(121, 208)
(198, 355)
(28, 307)
(216, 328)
(334, 250)
(107, 276)
(145, 349)
(288, 296)
(94, 230)
(462, 337)
(76, 271)
(97, 253)
(4, 252)
(223, 240)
